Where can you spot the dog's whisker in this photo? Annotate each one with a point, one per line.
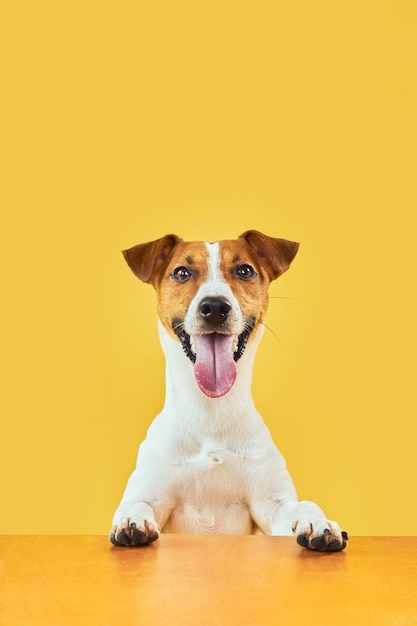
(274, 334)
(285, 298)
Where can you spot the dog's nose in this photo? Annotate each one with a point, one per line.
(215, 311)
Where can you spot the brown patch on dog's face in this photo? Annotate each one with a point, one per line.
(185, 272)
(247, 278)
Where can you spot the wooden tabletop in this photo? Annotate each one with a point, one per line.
(206, 580)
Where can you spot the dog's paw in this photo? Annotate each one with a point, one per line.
(320, 535)
(134, 531)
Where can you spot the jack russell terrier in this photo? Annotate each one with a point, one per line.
(208, 463)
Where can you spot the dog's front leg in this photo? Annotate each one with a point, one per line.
(305, 520)
(134, 524)
(277, 511)
(142, 512)
(310, 526)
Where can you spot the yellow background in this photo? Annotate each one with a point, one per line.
(123, 121)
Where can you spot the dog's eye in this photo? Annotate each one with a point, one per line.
(181, 274)
(245, 272)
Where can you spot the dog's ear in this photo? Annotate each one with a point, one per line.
(147, 260)
(275, 254)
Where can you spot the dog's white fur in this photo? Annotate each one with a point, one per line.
(209, 465)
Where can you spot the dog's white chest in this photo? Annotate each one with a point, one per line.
(214, 469)
(210, 493)
(212, 455)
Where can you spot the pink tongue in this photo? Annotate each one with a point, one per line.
(215, 369)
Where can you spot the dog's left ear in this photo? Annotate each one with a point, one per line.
(147, 260)
(276, 254)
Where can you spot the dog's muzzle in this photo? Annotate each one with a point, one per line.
(214, 359)
(185, 340)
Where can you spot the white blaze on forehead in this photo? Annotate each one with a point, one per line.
(215, 285)
(214, 272)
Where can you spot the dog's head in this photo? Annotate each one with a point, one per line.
(212, 296)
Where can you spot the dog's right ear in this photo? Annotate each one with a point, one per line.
(148, 260)
(276, 254)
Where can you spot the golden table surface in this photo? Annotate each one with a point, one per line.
(206, 580)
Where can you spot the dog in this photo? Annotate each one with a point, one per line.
(208, 463)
